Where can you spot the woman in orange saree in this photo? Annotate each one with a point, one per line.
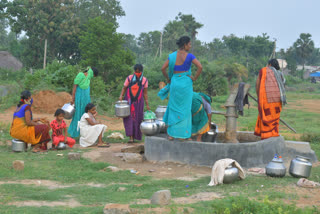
(27, 129)
(271, 97)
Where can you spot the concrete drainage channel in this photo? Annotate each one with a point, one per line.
(250, 152)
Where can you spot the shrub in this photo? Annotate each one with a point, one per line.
(311, 137)
(235, 205)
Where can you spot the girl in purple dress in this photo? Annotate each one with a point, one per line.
(136, 93)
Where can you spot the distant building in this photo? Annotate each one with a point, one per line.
(308, 69)
(282, 63)
(7, 61)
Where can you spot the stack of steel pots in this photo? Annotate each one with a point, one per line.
(160, 111)
(150, 127)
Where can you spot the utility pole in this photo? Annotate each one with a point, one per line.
(45, 54)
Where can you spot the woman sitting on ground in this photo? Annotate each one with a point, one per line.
(27, 129)
(90, 129)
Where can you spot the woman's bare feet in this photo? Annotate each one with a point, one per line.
(170, 138)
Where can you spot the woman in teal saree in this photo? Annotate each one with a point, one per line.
(180, 86)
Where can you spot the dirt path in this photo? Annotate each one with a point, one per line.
(305, 105)
(159, 170)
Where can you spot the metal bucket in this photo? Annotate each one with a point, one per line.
(18, 146)
(211, 135)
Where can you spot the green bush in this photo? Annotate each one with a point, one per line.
(13, 94)
(63, 77)
(8, 75)
(236, 205)
(38, 80)
(292, 80)
(212, 80)
(311, 137)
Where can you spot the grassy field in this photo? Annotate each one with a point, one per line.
(255, 194)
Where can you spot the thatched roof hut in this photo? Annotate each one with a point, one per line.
(7, 61)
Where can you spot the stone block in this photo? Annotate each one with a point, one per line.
(74, 156)
(133, 149)
(161, 197)
(116, 209)
(113, 168)
(18, 165)
(303, 147)
(132, 158)
(121, 189)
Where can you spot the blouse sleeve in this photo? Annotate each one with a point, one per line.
(86, 115)
(79, 78)
(192, 57)
(90, 73)
(146, 83)
(126, 82)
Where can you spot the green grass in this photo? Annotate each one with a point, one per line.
(79, 173)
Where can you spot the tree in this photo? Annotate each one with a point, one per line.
(41, 20)
(3, 34)
(101, 46)
(171, 33)
(108, 10)
(3, 5)
(190, 25)
(212, 80)
(304, 47)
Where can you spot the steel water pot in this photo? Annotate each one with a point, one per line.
(122, 108)
(68, 110)
(150, 127)
(300, 167)
(211, 135)
(276, 168)
(160, 111)
(18, 145)
(61, 146)
(162, 125)
(231, 174)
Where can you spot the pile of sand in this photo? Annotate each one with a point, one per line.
(49, 101)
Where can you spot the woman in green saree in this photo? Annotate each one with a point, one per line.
(201, 114)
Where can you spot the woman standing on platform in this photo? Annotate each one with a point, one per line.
(178, 115)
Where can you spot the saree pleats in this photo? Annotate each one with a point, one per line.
(178, 115)
(82, 98)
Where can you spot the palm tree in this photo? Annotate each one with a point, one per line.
(304, 47)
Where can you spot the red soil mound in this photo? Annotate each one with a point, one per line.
(49, 101)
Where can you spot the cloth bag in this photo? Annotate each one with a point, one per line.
(218, 168)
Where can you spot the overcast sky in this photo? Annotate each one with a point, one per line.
(280, 19)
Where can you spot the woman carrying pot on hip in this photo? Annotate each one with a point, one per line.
(81, 97)
(136, 93)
